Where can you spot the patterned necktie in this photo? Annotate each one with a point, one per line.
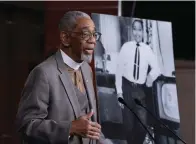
(76, 77)
(79, 81)
(136, 63)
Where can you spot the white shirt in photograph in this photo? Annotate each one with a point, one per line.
(125, 65)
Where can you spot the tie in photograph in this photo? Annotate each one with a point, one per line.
(136, 63)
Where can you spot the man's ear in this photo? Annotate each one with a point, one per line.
(65, 38)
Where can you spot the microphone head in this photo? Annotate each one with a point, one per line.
(121, 100)
(130, 105)
(137, 102)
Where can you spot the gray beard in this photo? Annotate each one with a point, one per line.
(86, 58)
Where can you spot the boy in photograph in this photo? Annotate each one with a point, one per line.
(131, 76)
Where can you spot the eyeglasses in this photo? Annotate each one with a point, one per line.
(87, 35)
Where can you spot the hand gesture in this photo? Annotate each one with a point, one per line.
(86, 128)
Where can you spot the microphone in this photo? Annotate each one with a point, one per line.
(158, 120)
(121, 100)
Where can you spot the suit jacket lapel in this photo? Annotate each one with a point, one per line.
(89, 88)
(68, 85)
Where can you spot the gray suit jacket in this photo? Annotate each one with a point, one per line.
(49, 103)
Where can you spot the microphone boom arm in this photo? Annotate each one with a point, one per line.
(140, 104)
(123, 102)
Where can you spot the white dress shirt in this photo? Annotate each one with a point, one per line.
(125, 65)
(69, 61)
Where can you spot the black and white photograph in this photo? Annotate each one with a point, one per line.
(134, 64)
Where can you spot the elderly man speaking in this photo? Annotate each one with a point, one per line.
(58, 104)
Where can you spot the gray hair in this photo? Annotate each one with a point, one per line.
(68, 21)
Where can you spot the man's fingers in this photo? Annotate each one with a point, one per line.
(95, 137)
(93, 133)
(94, 124)
(95, 129)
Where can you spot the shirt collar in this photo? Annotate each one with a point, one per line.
(69, 61)
(140, 43)
(137, 43)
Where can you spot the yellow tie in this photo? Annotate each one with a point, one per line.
(76, 77)
(79, 81)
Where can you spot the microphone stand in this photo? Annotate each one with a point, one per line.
(123, 102)
(140, 104)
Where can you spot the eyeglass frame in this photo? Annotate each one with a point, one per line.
(81, 34)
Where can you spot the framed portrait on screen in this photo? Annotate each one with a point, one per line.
(134, 60)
